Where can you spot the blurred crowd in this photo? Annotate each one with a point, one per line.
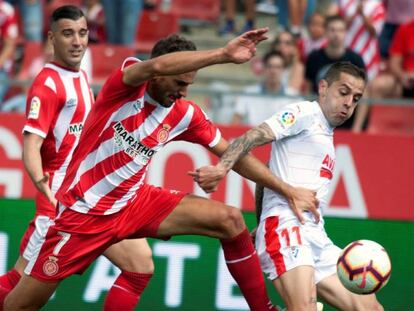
(375, 34)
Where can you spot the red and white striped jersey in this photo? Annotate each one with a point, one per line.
(57, 105)
(358, 37)
(8, 29)
(123, 131)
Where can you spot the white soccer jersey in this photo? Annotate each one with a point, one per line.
(302, 155)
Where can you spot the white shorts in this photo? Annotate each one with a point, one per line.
(282, 246)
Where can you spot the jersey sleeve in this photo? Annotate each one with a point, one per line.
(114, 87)
(41, 107)
(291, 120)
(201, 130)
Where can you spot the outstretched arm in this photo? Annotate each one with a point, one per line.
(208, 177)
(239, 50)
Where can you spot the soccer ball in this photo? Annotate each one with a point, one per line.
(364, 267)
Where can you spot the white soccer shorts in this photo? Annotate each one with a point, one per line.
(282, 246)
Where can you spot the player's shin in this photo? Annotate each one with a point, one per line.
(243, 264)
(126, 291)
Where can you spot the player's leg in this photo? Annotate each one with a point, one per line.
(296, 297)
(334, 293)
(134, 258)
(195, 215)
(286, 257)
(329, 286)
(29, 294)
(36, 231)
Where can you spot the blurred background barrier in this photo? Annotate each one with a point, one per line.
(190, 271)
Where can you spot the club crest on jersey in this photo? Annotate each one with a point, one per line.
(50, 266)
(34, 108)
(287, 119)
(327, 167)
(163, 133)
(129, 144)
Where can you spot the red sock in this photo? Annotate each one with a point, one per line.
(10, 279)
(126, 291)
(244, 266)
(7, 282)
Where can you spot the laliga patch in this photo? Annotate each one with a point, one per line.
(34, 108)
(50, 267)
(287, 119)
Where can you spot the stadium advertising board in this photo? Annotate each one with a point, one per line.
(190, 273)
(372, 177)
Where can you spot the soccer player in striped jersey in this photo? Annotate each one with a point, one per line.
(296, 251)
(104, 198)
(58, 103)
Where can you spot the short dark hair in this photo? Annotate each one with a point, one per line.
(334, 18)
(172, 43)
(271, 54)
(67, 11)
(335, 70)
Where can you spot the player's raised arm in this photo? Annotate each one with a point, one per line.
(238, 50)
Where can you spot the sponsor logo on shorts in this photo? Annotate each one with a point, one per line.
(50, 267)
(34, 108)
(129, 144)
(163, 133)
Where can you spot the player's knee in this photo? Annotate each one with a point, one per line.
(139, 262)
(13, 303)
(231, 222)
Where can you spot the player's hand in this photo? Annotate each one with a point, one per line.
(43, 186)
(208, 177)
(300, 200)
(243, 48)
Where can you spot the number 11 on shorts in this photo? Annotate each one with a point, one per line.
(295, 231)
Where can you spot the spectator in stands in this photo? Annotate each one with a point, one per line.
(229, 27)
(316, 36)
(365, 19)
(8, 37)
(293, 74)
(95, 18)
(398, 12)
(252, 109)
(17, 103)
(122, 18)
(319, 61)
(293, 14)
(400, 80)
(31, 12)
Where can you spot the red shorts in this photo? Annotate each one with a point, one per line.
(76, 239)
(38, 226)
